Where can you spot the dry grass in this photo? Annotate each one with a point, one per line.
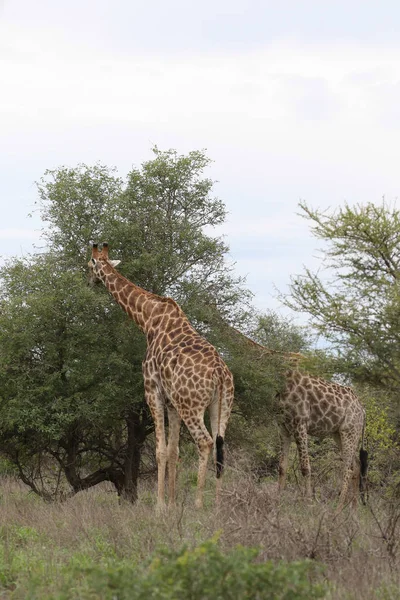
(359, 550)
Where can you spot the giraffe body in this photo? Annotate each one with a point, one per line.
(183, 373)
(312, 406)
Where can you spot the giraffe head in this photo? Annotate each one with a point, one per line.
(97, 262)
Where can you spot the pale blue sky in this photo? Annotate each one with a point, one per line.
(296, 99)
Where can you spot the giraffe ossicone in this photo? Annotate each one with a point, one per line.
(183, 373)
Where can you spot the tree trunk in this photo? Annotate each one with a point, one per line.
(136, 436)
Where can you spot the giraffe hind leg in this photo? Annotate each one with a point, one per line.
(219, 417)
(204, 445)
(218, 426)
(161, 455)
(350, 469)
(174, 424)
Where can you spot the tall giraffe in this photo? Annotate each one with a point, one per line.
(182, 372)
(310, 405)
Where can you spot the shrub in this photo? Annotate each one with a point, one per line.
(205, 572)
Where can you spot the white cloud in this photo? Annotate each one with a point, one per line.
(283, 120)
(282, 227)
(54, 83)
(18, 234)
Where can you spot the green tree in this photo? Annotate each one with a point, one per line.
(354, 300)
(76, 388)
(67, 396)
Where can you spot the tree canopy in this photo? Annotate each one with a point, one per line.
(70, 360)
(354, 298)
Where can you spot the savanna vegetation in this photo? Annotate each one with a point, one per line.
(77, 515)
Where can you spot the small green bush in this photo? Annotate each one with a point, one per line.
(205, 572)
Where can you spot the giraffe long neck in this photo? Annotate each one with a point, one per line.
(292, 356)
(141, 306)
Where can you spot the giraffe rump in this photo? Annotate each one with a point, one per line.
(219, 447)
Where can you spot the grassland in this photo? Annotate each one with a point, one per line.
(60, 550)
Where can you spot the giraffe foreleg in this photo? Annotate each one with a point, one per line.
(285, 441)
(301, 438)
(156, 405)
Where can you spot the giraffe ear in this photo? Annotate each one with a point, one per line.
(114, 263)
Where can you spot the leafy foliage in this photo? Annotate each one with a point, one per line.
(354, 302)
(206, 572)
(62, 392)
(70, 360)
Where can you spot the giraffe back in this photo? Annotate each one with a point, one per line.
(325, 407)
(189, 370)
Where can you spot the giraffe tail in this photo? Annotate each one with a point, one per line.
(219, 447)
(363, 468)
(219, 441)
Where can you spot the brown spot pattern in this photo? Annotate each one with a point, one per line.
(311, 405)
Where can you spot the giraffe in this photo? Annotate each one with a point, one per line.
(310, 405)
(183, 373)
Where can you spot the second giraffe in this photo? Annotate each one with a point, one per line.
(309, 405)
